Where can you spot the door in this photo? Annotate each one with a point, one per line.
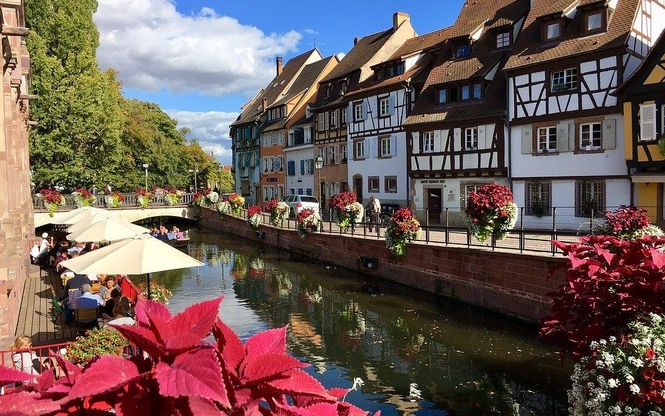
(358, 188)
(434, 205)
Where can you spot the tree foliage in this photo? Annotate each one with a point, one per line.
(87, 133)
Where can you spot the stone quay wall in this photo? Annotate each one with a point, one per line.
(512, 284)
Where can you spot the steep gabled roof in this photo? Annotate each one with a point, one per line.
(483, 60)
(530, 50)
(277, 85)
(360, 54)
(638, 78)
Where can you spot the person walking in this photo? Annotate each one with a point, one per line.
(375, 211)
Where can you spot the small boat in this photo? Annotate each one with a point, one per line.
(178, 242)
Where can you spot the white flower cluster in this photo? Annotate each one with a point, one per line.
(308, 224)
(279, 213)
(614, 380)
(255, 220)
(224, 207)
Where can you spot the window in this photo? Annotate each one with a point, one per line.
(594, 21)
(589, 198)
(331, 155)
(465, 92)
(343, 116)
(546, 139)
(462, 51)
(538, 197)
(307, 133)
(564, 80)
(384, 107)
(443, 96)
(390, 183)
(648, 122)
(428, 142)
(342, 153)
(357, 111)
(321, 122)
(359, 149)
(503, 39)
(590, 136)
(465, 190)
(552, 31)
(373, 184)
(333, 118)
(385, 146)
(471, 138)
(477, 91)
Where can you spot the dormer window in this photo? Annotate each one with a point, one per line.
(595, 21)
(442, 97)
(552, 30)
(502, 39)
(392, 70)
(342, 88)
(462, 51)
(326, 91)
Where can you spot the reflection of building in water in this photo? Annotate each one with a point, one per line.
(304, 331)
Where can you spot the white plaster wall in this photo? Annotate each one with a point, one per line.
(299, 181)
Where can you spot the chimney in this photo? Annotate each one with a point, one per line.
(265, 103)
(399, 18)
(278, 63)
(355, 41)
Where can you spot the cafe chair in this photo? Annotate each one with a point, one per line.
(86, 315)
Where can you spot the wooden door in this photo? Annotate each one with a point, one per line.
(434, 205)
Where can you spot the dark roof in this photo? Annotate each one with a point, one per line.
(274, 89)
(483, 58)
(421, 43)
(530, 51)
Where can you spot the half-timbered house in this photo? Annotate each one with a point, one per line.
(456, 134)
(378, 107)
(245, 129)
(566, 127)
(330, 109)
(275, 134)
(643, 98)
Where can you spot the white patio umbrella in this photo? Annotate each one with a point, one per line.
(107, 229)
(86, 222)
(142, 254)
(74, 216)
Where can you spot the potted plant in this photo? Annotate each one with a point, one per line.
(237, 202)
(308, 222)
(96, 343)
(402, 228)
(172, 196)
(347, 208)
(627, 223)
(114, 200)
(254, 217)
(52, 200)
(491, 212)
(84, 198)
(279, 211)
(143, 197)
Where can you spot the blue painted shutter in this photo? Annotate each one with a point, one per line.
(291, 167)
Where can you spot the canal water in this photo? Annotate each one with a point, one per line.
(416, 354)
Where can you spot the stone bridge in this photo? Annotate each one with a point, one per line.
(128, 211)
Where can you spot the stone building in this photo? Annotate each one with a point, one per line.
(16, 213)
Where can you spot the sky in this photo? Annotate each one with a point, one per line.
(201, 60)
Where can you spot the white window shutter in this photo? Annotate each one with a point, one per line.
(481, 138)
(393, 146)
(562, 140)
(648, 122)
(457, 135)
(365, 109)
(391, 105)
(527, 140)
(437, 141)
(373, 147)
(415, 142)
(349, 113)
(609, 134)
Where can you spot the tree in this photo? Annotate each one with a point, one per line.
(77, 139)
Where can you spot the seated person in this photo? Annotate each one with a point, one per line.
(23, 358)
(120, 316)
(87, 294)
(107, 287)
(59, 259)
(78, 247)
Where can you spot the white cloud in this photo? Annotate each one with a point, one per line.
(210, 129)
(155, 48)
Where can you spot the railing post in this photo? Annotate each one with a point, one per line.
(554, 236)
(522, 240)
(427, 225)
(447, 232)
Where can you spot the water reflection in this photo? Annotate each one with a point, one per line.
(416, 356)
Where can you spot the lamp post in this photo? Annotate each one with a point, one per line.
(145, 166)
(318, 164)
(195, 171)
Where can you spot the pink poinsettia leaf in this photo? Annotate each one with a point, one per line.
(198, 319)
(230, 346)
(200, 406)
(146, 307)
(195, 373)
(318, 409)
(300, 383)
(657, 257)
(143, 338)
(267, 342)
(106, 374)
(348, 409)
(10, 375)
(27, 403)
(268, 366)
(46, 380)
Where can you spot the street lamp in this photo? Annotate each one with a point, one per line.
(318, 164)
(145, 166)
(195, 171)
